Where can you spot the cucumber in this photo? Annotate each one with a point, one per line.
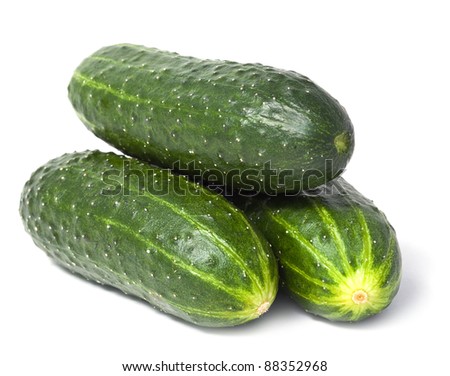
(247, 126)
(339, 256)
(151, 234)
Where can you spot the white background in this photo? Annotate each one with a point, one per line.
(387, 62)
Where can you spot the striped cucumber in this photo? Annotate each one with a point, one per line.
(338, 254)
(247, 126)
(151, 234)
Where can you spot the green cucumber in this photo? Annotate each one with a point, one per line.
(339, 257)
(151, 234)
(247, 126)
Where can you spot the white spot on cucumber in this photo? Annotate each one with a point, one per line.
(263, 308)
(360, 297)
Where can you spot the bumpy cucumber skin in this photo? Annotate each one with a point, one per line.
(339, 256)
(172, 110)
(192, 255)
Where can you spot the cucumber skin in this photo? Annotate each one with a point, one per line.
(223, 116)
(307, 233)
(194, 256)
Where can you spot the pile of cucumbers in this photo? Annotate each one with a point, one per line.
(228, 186)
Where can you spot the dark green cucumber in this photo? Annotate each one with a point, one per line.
(338, 254)
(248, 126)
(151, 234)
